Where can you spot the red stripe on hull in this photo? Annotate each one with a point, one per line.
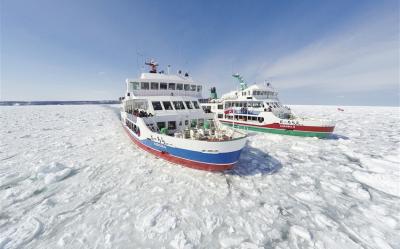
(289, 127)
(180, 161)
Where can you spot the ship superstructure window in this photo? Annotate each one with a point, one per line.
(186, 87)
(171, 125)
(192, 87)
(134, 86)
(220, 107)
(157, 105)
(188, 105)
(160, 125)
(178, 105)
(196, 105)
(144, 85)
(163, 86)
(167, 105)
(179, 87)
(201, 122)
(171, 86)
(199, 88)
(154, 85)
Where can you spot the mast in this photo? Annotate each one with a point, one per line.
(243, 84)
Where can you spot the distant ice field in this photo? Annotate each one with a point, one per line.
(71, 178)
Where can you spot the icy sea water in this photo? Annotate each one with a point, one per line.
(71, 178)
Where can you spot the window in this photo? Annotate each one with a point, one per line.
(134, 86)
(178, 105)
(167, 105)
(220, 116)
(154, 86)
(171, 86)
(163, 86)
(179, 87)
(201, 122)
(160, 125)
(157, 105)
(171, 125)
(193, 123)
(220, 107)
(188, 105)
(192, 87)
(144, 85)
(196, 105)
(199, 88)
(186, 122)
(186, 87)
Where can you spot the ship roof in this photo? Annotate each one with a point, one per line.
(161, 77)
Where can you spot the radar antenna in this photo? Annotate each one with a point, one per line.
(153, 66)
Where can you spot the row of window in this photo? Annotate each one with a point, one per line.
(171, 125)
(262, 93)
(229, 104)
(245, 118)
(243, 104)
(177, 105)
(164, 86)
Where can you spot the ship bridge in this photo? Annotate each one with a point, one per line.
(256, 91)
(160, 84)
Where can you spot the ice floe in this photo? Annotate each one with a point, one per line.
(71, 178)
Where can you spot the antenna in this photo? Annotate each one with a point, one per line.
(168, 68)
(153, 66)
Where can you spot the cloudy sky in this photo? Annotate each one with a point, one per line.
(313, 52)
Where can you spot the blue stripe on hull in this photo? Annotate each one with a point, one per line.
(219, 158)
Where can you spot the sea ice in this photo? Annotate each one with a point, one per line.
(71, 178)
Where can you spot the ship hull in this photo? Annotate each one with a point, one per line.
(187, 158)
(292, 130)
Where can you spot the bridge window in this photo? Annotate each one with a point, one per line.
(163, 86)
(192, 87)
(196, 105)
(179, 87)
(171, 86)
(154, 85)
(188, 105)
(144, 85)
(186, 87)
(167, 105)
(157, 105)
(199, 88)
(178, 105)
(134, 86)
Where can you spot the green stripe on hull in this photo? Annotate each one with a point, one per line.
(279, 131)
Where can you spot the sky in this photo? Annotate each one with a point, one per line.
(313, 52)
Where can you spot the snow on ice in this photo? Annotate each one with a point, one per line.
(71, 178)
